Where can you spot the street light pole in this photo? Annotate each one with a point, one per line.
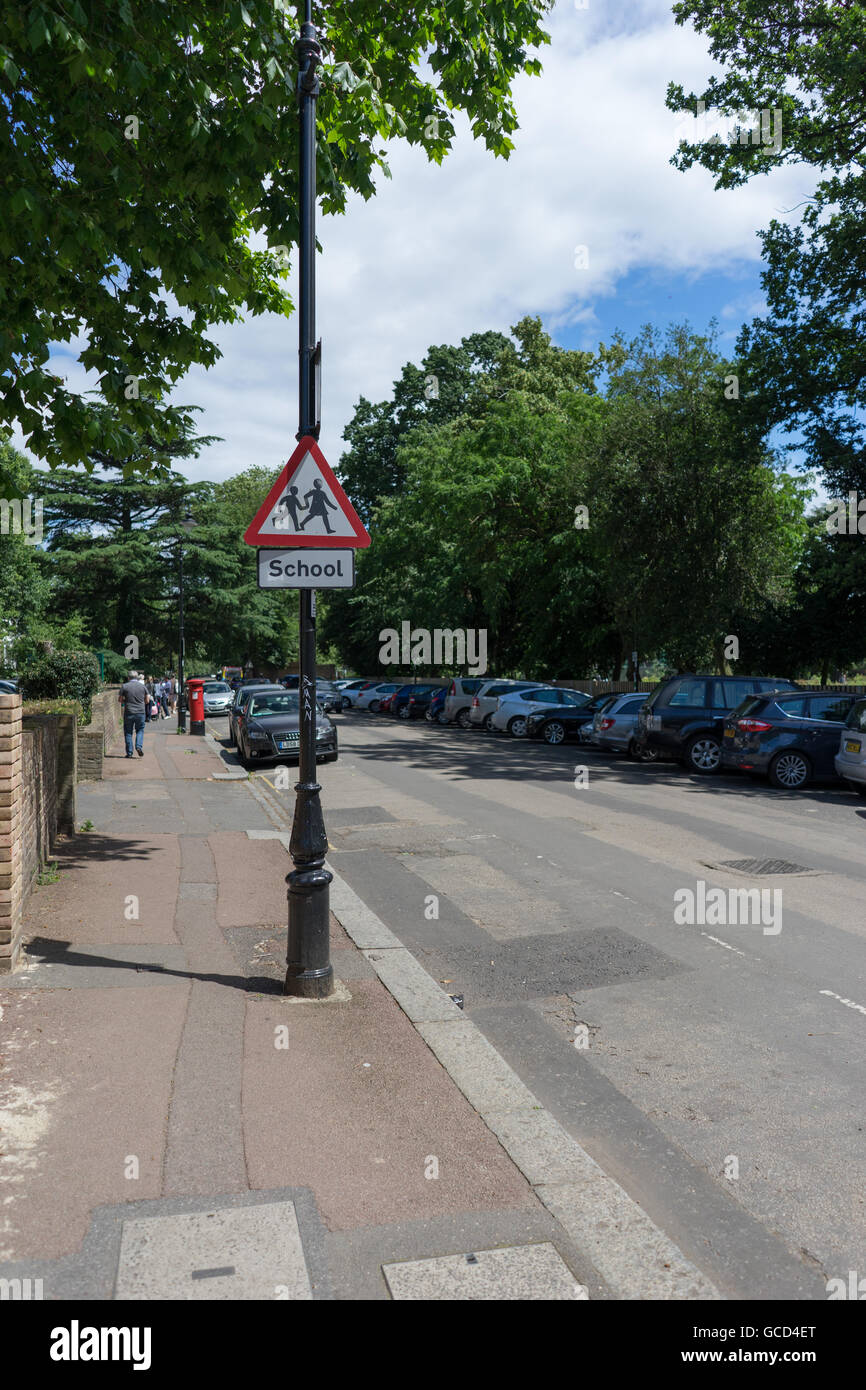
(309, 973)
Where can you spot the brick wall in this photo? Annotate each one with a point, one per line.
(93, 740)
(37, 801)
(11, 887)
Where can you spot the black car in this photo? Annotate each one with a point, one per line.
(242, 696)
(272, 729)
(684, 717)
(412, 701)
(560, 722)
(790, 738)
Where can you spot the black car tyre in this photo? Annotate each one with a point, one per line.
(345, 703)
(464, 720)
(443, 720)
(641, 753)
(790, 770)
(553, 732)
(704, 754)
(404, 712)
(488, 723)
(373, 707)
(517, 726)
(858, 787)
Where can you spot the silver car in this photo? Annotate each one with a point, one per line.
(513, 710)
(615, 724)
(483, 706)
(218, 697)
(458, 701)
(850, 761)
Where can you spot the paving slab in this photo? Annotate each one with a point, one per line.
(234, 1253)
(528, 1273)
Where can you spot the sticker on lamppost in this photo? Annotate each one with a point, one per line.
(306, 507)
(306, 569)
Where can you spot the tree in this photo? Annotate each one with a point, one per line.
(699, 525)
(147, 150)
(804, 67)
(24, 586)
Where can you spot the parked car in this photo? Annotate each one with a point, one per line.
(239, 704)
(684, 717)
(560, 722)
(411, 701)
(371, 698)
(458, 701)
(483, 706)
(350, 688)
(352, 693)
(271, 729)
(8, 687)
(512, 710)
(850, 761)
(385, 704)
(435, 711)
(218, 697)
(328, 696)
(790, 738)
(614, 726)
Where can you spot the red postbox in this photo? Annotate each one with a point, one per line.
(195, 693)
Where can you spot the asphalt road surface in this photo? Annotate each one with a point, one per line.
(715, 1069)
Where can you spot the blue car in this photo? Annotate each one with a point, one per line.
(790, 737)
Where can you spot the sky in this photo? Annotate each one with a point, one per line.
(477, 243)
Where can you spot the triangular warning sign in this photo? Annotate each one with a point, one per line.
(307, 506)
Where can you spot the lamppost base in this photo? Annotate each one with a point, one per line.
(309, 973)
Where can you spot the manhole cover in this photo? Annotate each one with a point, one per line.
(764, 866)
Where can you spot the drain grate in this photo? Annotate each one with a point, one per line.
(764, 866)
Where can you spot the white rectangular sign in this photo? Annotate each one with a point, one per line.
(306, 569)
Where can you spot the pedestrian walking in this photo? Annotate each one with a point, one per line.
(164, 691)
(133, 698)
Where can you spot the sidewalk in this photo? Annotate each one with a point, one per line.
(172, 1126)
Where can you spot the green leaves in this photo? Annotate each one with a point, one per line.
(215, 162)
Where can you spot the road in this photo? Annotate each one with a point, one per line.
(715, 1071)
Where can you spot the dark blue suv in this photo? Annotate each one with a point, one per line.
(683, 717)
(790, 738)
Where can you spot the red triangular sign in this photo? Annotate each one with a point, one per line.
(307, 506)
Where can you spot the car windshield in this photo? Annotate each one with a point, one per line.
(274, 704)
(216, 688)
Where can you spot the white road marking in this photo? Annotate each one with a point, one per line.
(849, 1003)
(719, 942)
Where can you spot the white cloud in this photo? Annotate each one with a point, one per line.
(477, 243)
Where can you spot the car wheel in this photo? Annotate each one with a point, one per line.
(704, 754)
(443, 720)
(404, 712)
(464, 720)
(488, 723)
(517, 726)
(858, 787)
(789, 771)
(373, 706)
(330, 758)
(553, 732)
(345, 703)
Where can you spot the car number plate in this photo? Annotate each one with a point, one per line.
(729, 733)
(852, 746)
(288, 742)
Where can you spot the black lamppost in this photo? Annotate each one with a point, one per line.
(309, 973)
(188, 523)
